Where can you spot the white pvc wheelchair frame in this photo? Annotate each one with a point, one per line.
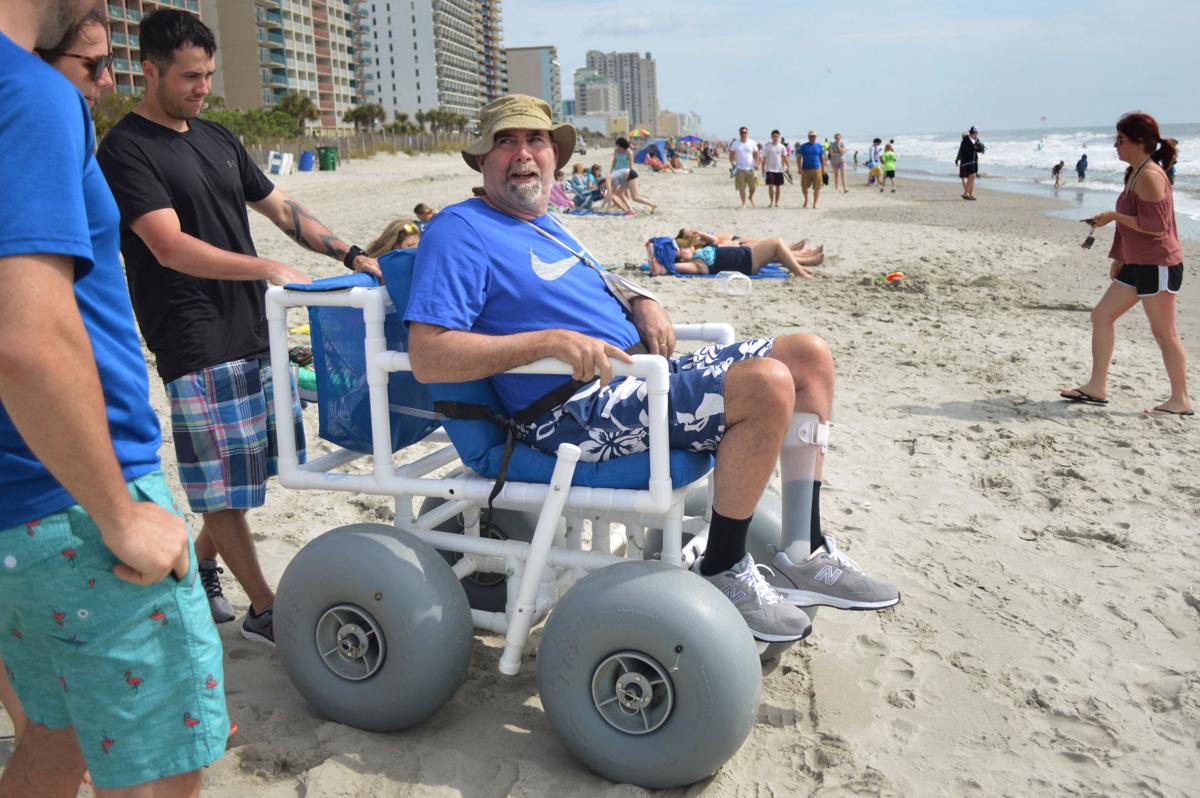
(532, 589)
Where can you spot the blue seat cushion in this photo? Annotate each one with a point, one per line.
(480, 444)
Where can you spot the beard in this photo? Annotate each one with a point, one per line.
(172, 106)
(528, 196)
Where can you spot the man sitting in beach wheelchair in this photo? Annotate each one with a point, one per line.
(499, 284)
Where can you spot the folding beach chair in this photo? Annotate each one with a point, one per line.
(646, 671)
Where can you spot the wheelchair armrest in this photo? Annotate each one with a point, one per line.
(713, 333)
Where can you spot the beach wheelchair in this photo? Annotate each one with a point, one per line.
(646, 672)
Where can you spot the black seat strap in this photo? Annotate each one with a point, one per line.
(469, 411)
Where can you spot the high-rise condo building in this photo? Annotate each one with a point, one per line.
(267, 48)
(435, 54)
(595, 93)
(637, 84)
(535, 71)
(124, 23)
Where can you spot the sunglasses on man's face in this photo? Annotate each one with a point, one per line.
(97, 64)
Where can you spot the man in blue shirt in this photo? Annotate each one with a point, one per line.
(498, 284)
(105, 628)
(812, 167)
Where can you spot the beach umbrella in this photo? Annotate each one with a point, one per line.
(691, 138)
(638, 131)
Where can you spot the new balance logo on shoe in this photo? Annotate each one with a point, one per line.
(829, 575)
(733, 594)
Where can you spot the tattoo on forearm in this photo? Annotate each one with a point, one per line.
(327, 242)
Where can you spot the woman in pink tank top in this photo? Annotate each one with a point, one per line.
(1147, 264)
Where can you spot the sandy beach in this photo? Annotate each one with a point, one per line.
(1048, 641)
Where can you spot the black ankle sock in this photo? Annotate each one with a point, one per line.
(726, 543)
(815, 539)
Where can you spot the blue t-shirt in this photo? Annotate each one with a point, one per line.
(55, 202)
(810, 153)
(483, 271)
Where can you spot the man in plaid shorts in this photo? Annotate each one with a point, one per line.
(499, 283)
(182, 185)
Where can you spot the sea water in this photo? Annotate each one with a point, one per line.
(1021, 160)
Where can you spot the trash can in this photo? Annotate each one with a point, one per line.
(306, 161)
(328, 158)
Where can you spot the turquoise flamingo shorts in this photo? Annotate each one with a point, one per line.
(135, 670)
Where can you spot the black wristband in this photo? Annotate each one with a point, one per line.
(351, 255)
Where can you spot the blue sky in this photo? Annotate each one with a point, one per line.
(888, 68)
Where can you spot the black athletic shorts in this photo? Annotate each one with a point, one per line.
(732, 259)
(774, 178)
(968, 169)
(1150, 279)
(890, 173)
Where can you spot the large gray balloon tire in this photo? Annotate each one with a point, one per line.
(663, 630)
(372, 628)
(487, 592)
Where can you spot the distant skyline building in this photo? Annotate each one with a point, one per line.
(267, 48)
(637, 84)
(430, 54)
(568, 108)
(495, 63)
(690, 124)
(668, 123)
(535, 71)
(124, 25)
(595, 93)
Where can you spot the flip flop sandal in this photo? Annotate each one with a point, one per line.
(1082, 398)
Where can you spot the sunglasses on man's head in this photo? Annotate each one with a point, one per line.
(98, 64)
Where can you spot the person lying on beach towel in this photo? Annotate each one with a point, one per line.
(665, 257)
(696, 239)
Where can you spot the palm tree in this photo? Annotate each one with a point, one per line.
(299, 107)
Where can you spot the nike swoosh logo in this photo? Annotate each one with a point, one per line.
(550, 271)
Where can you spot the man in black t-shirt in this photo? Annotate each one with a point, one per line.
(182, 185)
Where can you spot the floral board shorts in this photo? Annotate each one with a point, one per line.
(611, 420)
(223, 421)
(136, 670)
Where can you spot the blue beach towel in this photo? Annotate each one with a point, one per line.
(772, 271)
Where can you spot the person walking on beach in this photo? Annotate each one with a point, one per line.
(888, 161)
(744, 159)
(1056, 173)
(1147, 264)
(474, 315)
(812, 167)
(182, 185)
(775, 163)
(1081, 167)
(837, 163)
(968, 161)
(92, 538)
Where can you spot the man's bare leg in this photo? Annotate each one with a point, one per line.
(47, 763)
(227, 532)
(760, 398)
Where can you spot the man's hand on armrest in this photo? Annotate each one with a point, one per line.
(441, 355)
(654, 326)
